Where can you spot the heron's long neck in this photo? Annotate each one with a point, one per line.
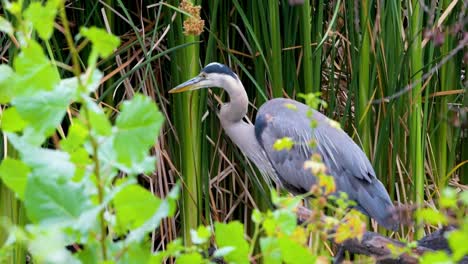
(236, 108)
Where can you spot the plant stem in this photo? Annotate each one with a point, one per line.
(71, 44)
(306, 41)
(416, 140)
(275, 55)
(100, 187)
(94, 144)
(364, 117)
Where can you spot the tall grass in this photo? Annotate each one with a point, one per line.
(416, 135)
(186, 112)
(354, 53)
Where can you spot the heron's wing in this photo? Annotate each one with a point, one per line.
(344, 160)
(280, 118)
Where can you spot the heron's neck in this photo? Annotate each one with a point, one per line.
(234, 110)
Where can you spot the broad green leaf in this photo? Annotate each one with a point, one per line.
(34, 72)
(270, 250)
(14, 173)
(42, 17)
(81, 159)
(48, 245)
(283, 143)
(175, 247)
(90, 84)
(166, 209)
(201, 235)
(11, 121)
(457, 240)
(232, 235)
(14, 7)
(136, 253)
(44, 110)
(140, 233)
(5, 26)
(448, 198)
(51, 200)
(437, 257)
(97, 118)
(103, 42)
(190, 258)
(257, 216)
(6, 84)
(47, 163)
(138, 127)
(77, 134)
(431, 216)
(90, 253)
(134, 205)
(156, 258)
(464, 197)
(221, 252)
(285, 220)
(292, 252)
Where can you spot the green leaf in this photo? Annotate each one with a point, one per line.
(6, 83)
(166, 209)
(14, 173)
(270, 250)
(103, 42)
(47, 163)
(457, 240)
(448, 198)
(201, 235)
(44, 110)
(138, 126)
(232, 235)
(257, 216)
(437, 257)
(5, 26)
(464, 197)
(190, 258)
(12, 121)
(90, 84)
(283, 143)
(291, 252)
(134, 205)
(140, 233)
(15, 8)
(77, 134)
(42, 102)
(221, 252)
(431, 216)
(42, 17)
(90, 253)
(136, 253)
(51, 200)
(48, 245)
(285, 220)
(156, 258)
(34, 72)
(96, 117)
(175, 247)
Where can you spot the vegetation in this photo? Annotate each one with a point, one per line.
(82, 109)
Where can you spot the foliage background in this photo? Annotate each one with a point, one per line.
(352, 51)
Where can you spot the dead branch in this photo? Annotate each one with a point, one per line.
(379, 246)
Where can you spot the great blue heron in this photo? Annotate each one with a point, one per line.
(280, 118)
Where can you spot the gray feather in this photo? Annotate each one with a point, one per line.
(345, 161)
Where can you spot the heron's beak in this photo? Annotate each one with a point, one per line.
(192, 84)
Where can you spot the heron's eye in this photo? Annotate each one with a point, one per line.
(203, 75)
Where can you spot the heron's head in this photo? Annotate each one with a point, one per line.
(213, 75)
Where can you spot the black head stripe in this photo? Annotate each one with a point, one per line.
(219, 68)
